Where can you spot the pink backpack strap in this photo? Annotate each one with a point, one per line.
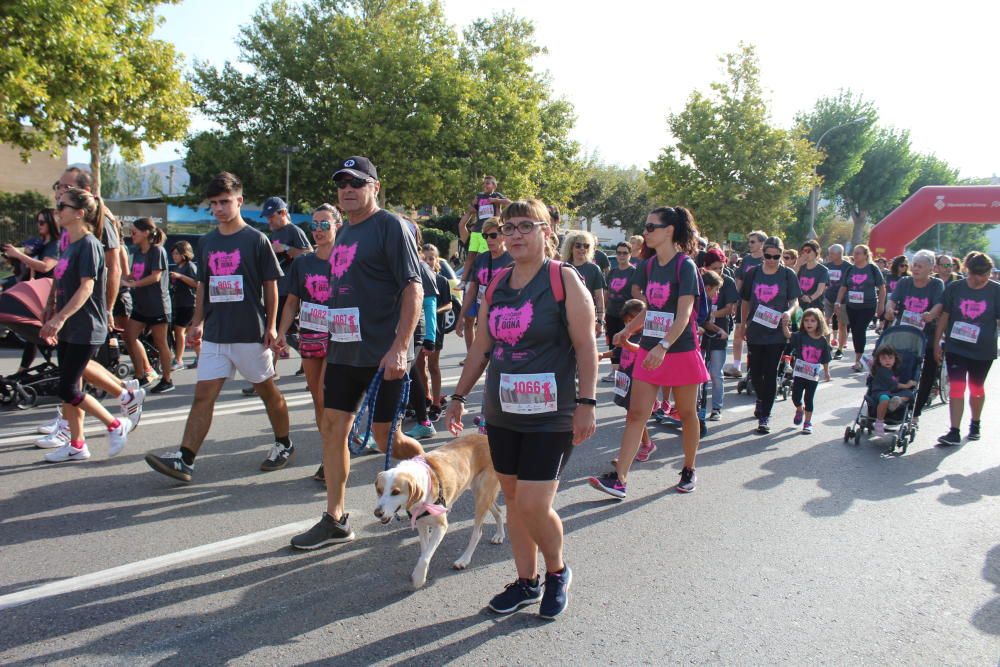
(556, 280)
(492, 287)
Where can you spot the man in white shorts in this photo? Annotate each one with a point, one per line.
(237, 307)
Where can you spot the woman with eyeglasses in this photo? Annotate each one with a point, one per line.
(669, 356)
(863, 287)
(485, 265)
(308, 292)
(533, 345)
(769, 298)
(149, 281)
(753, 258)
(915, 300)
(619, 291)
(578, 250)
(184, 286)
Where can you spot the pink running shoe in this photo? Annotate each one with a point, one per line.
(646, 450)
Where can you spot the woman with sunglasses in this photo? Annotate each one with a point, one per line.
(76, 319)
(770, 296)
(483, 268)
(813, 276)
(149, 281)
(669, 356)
(915, 300)
(863, 287)
(790, 257)
(308, 292)
(535, 345)
(753, 258)
(578, 250)
(619, 290)
(946, 268)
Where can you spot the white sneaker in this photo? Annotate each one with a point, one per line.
(132, 406)
(56, 439)
(68, 453)
(177, 366)
(118, 437)
(51, 426)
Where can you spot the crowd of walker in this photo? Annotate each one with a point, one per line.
(364, 302)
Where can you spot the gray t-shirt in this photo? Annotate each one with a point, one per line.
(972, 319)
(769, 296)
(911, 300)
(485, 266)
(531, 378)
(372, 262)
(49, 251)
(619, 289)
(862, 286)
(749, 262)
(109, 236)
(82, 259)
(183, 294)
(809, 282)
(151, 300)
(293, 237)
(593, 277)
(836, 274)
(233, 269)
(663, 287)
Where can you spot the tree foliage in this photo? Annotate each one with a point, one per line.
(620, 197)
(729, 164)
(833, 119)
(88, 71)
(389, 79)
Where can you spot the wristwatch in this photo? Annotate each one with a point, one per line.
(664, 343)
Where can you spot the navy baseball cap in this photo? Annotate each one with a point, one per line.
(272, 205)
(358, 167)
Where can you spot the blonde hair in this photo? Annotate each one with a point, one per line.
(821, 326)
(578, 236)
(491, 224)
(435, 262)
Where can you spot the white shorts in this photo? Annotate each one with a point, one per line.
(222, 360)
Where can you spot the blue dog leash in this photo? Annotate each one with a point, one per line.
(368, 406)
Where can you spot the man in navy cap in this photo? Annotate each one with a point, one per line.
(288, 242)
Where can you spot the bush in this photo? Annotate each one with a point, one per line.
(441, 239)
(444, 223)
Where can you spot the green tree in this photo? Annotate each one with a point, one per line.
(729, 164)
(834, 120)
(620, 197)
(889, 167)
(72, 71)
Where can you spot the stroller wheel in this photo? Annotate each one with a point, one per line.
(27, 397)
(857, 438)
(847, 434)
(121, 370)
(6, 393)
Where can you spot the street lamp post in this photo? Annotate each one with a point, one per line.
(814, 193)
(288, 151)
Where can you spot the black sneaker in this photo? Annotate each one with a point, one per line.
(763, 425)
(688, 481)
(278, 457)
(327, 531)
(974, 431)
(299, 372)
(609, 484)
(319, 475)
(838, 354)
(434, 413)
(519, 594)
(171, 465)
(249, 391)
(951, 439)
(143, 382)
(556, 596)
(162, 387)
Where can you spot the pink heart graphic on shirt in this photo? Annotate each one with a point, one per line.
(60, 268)
(811, 354)
(341, 259)
(892, 284)
(658, 294)
(510, 324)
(318, 287)
(627, 359)
(138, 269)
(617, 284)
(63, 241)
(971, 310)
(806, 283)
(915, 304)
(765, 293)
(859, 278)
(224, 263)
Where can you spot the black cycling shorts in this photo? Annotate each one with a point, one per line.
(531, 457)
(344, 389)
(148, 320)
(183, 316)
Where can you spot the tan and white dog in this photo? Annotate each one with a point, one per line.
(428, 485)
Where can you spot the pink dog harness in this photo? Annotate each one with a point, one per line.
(424, 508)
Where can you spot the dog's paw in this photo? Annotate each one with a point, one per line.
(460, 564)
(497, 539)
(418, 580)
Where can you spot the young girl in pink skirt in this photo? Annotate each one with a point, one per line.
(669, 355)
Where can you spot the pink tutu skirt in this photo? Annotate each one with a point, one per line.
(677, 370)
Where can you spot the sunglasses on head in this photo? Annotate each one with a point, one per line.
(354, 182)
(651, 227)
(322, 225)
(770, 256)
(62, 205)
(582, 246)
(524, 227)
(491, 235)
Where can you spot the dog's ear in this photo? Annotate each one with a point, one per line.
(380, 483)
(416, 493)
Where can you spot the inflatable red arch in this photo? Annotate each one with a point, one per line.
(931, 205)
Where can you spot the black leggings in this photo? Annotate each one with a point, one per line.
(928, 374)
(418, 396)
(73, 361)
(763, 370)
(612, 326)
(28, 356)
(800, 387)
(858, 320)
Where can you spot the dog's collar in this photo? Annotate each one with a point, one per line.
(424, 508)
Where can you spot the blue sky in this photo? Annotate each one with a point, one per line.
(626, 65)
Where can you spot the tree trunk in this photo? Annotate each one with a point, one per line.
(860, 220)
(95, 156)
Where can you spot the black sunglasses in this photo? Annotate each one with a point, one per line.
(354, 182)
(767, 256)
(491, 235)
(582, 246)
(322, 225)
(623, 253)
(650, 227)
(62, 205)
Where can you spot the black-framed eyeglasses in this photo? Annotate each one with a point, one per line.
(623, 253)
(321, 225)
(354, 182)
(772, 257)
(62, 205)
(652, 227)
(582, 246)
(524, 227)
(491, 235)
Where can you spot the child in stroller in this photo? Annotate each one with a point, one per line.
(888, 388)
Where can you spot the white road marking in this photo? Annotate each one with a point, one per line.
(114, 574)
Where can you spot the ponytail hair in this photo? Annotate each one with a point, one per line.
(92, 207)
(682, 220)
(156, 235)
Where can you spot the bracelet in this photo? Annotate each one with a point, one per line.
(459, 398)
(586, 401)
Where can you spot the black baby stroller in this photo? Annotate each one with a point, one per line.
(909, 343)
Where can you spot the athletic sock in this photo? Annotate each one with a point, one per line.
(113, 425)
(530, 582)
(187, 456)
(738, 365)
(77, 444)
(126, 395)
(284, 441)
(556, 573)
